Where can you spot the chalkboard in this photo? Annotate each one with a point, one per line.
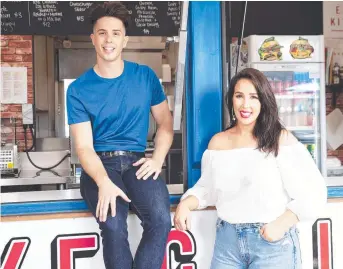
(14, 18)
(148, 18)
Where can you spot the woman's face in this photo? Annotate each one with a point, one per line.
(246, 104)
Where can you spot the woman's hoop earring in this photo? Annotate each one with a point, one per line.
(233, 115)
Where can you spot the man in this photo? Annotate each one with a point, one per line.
(108, 111)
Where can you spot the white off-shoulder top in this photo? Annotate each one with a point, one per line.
(247, 185)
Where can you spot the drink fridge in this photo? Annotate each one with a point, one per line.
(294, 66)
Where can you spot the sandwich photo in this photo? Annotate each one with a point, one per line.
(270, 50)
(301, 49)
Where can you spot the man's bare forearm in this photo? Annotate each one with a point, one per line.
(163, 142)
(92, 164)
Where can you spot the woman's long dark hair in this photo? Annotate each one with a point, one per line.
(268, 127)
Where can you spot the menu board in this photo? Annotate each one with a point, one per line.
(154, 17)
(148, 18)
(14, 17)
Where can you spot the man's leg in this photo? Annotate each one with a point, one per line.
(116, 250)
(150, 199)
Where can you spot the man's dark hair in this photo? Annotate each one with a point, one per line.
(268, 127)
(110, 9)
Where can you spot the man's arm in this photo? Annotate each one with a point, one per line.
(91, 163)
(163, 142)
(165, 133)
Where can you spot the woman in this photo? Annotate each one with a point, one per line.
(261, 180)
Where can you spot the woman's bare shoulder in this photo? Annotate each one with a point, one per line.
(220, 141)
(287, 138)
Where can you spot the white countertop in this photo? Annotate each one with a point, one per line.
(59, 195)
(334, 181)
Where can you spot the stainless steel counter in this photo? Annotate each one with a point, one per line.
(38, 177)
(57, 179)
(31, 175)
(32, 181)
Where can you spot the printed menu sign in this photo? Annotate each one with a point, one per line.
(13, 85)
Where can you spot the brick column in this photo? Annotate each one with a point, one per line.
(16, 51)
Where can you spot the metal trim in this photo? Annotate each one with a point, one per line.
(13, 209)
(335, 192)
(180, 74)
(53, 207)
(20, 209)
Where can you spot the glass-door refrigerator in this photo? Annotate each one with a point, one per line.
(294, 66)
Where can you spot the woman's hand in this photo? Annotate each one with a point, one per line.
(182, 217)
(273, 231)
(276, 229)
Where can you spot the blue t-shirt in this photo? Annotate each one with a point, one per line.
(117, 108)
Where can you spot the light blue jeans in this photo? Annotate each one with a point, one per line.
(240, 246)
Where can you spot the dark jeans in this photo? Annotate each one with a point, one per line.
(149, 201)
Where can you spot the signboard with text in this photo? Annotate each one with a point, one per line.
(333, 19)
(76, 243)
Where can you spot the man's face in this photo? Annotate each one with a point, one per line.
(109, 38)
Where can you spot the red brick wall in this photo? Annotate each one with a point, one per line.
(16, 51)
(339, 104)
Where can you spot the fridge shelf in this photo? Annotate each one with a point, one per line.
(300, 128)
(296, 96)
(308, 136)
(306, 141)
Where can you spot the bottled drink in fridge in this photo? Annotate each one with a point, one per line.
(272, 84)
(278, 86)
(295, 114)
(310, 114)
(282, 111)
(288, 112)
(312, 150)
(302, 114)
(287, 84)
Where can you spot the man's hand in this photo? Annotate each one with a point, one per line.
(108, 193)
(182, 217)
(273, 231)
(149, 167)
